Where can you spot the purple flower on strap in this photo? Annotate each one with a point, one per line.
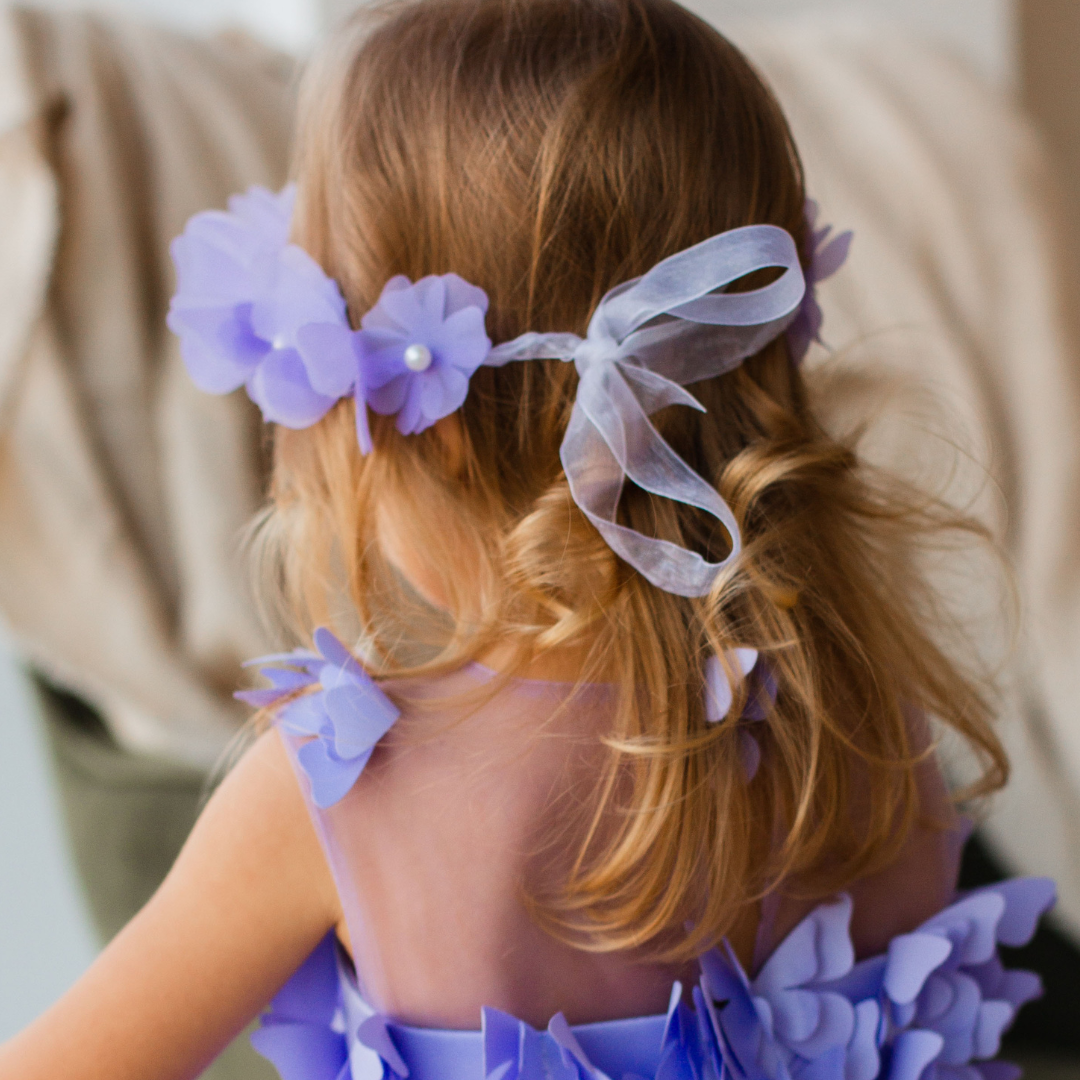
(245, 303)
(420, 345)
(827, 256)
(347, 716)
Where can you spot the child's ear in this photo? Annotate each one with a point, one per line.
(450, 434)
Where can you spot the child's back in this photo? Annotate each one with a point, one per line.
(477, 799)
(460, 815)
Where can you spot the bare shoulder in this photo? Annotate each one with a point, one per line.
(916, 885)
(921, 881)
(249, 898)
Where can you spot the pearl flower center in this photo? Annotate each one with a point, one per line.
(418, 358)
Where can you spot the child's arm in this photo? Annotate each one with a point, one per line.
(249, 898)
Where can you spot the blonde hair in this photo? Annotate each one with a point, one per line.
(548, 150)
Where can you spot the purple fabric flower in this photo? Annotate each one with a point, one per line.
(246, 303)
(718, 692)
(301, 1033)
(827, 256)
(318, 1027)
(945, 978)
(931, 1008)
(347, 716)
(938, 999)
(760, 700)
(945, 998)
(420, 345)
(788, 1023)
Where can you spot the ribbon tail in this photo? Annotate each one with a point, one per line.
(642, 452)
(654, 392)
(596, 478)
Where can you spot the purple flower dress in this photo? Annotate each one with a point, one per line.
(933, 1006)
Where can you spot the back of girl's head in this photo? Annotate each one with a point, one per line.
(548, 150)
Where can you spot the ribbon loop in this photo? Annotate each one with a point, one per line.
(685, 284)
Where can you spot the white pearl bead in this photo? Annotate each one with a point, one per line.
(418, 358)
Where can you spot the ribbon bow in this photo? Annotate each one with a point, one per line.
(647, 339)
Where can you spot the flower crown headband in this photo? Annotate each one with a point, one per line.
(253, 310)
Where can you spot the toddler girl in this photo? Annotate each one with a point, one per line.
(626, 766)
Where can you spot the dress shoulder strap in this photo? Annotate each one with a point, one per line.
(328, 697)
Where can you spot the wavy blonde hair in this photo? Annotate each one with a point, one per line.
(548, 150)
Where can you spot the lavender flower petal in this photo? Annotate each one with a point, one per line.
(827, 256)
(718, 691)
(297, 1033)
(331, 777)
(301, 1051)
(280, 387)
(378, 317)
(375, 1035)
(218, 346)
(260, 699)
(749, 754)
(410, 420)
(336, 654)
(911, 959)
(423, 313)
(1026, 901)
(912, 1053)
(463, 341)
(360, 714)
(299, 293)
(405, 308)
(994, 1018)
(863, 1057)
(329, 355)
(461, 294)
(829, 259)
(268, 214)
(311, 994)
(304, 717)
(819, 949)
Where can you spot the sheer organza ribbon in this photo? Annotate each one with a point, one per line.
(253, 310)
(649, 338)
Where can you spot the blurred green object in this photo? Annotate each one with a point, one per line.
(126, 818)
